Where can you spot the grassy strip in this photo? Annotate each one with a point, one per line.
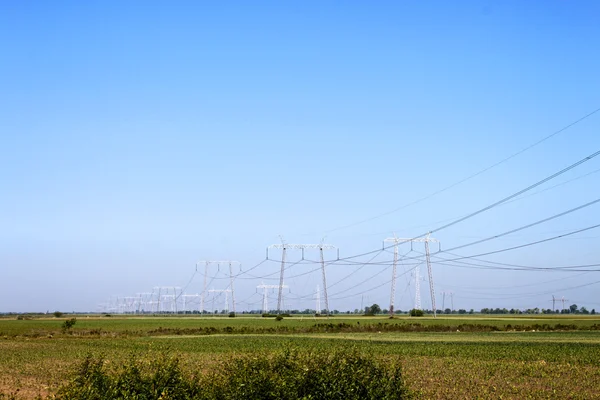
(36, 331)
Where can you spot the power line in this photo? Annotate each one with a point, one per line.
(468, 177)
(533, 243)
(370, 289)
(508, 202)
(354, 272)
(513, 267)
(512, 196)
(531, 225)
(497, 203)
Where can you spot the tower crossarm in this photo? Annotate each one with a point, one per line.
(286, 246)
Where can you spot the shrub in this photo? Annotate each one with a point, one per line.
(416, 313)
(68, 324)
(289, 374)
(58, 314)
(134, 380)
(231, 315)
(294, 374)
(279, 318)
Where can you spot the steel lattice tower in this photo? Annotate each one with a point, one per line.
(284, 247)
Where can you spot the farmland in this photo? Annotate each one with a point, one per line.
(453, 357)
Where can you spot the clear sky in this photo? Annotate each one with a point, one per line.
(139, 137)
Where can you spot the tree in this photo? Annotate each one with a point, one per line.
(447, 311)
(584, 310)
(374, 309)
(593, 312)
(573, 308)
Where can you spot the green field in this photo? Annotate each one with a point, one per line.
(544, 357)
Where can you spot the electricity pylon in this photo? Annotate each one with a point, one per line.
(188, 296)
(231, 277)
(226, 291)
(394, 269)
(285, 247)
(143, 301)
(318, 302)
(166, 292)
(443, 293)
(563, 302)
(265, 298)
(396, 241)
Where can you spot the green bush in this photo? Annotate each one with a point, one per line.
(290, 374)
(68, 324)
(294, 374)
(58, 314)
(416, 313)
(161, 379)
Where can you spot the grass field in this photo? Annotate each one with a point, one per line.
(492, 360)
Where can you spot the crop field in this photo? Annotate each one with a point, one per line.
(445, 358)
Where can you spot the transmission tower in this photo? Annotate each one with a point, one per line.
(418, 287)
(168, 295)
(143, 301)
(451, 294)
(397, 241)
(185, 302)
(443, 293)
(318, 302)
(265, 298)
(285, 247)
(231, 277)
(563, 302)
(226, 291)
(128, 304)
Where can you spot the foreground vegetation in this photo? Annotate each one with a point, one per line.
(497, 363)
(285, 375)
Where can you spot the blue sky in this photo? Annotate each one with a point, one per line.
(137, 138)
